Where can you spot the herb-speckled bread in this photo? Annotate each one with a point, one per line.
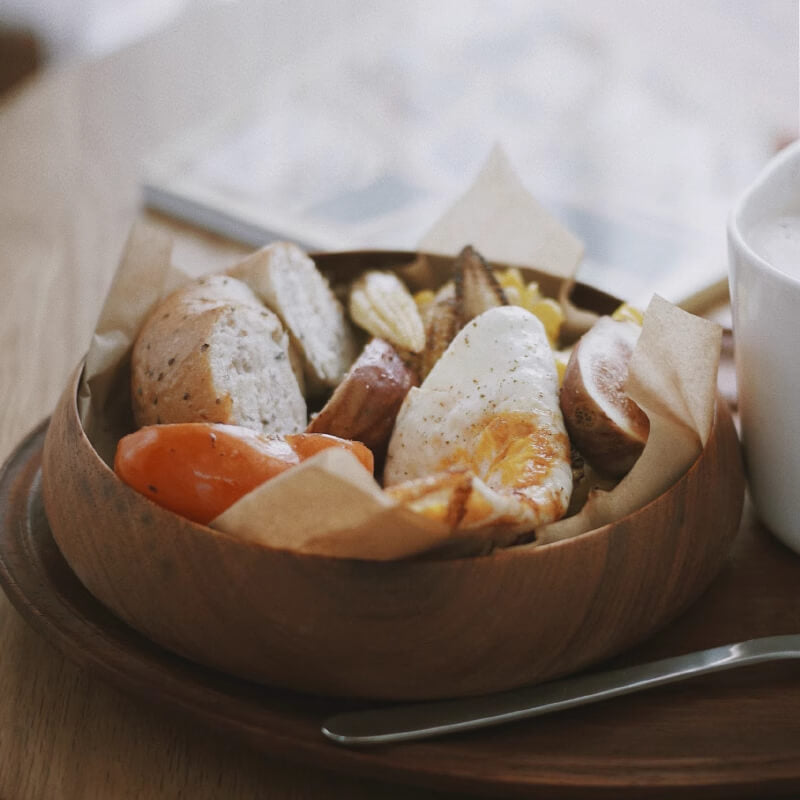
(213, 352)
(288, 282)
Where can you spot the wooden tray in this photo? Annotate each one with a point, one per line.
(723, 736)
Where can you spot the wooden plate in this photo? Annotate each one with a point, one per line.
(724, 736)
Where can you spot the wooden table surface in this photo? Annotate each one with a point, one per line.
(69, 146)
(70, 142)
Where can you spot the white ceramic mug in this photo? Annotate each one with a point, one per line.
(764, 255)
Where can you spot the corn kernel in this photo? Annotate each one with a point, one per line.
(424, 300)
(512, 295)
(628, 313)
(531, 295)
(424, 297)
(551, 316)
(511, 278)
(561, 358)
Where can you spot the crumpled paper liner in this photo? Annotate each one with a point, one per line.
(145, 276)
(673, 377)
(500, 219)
(330, 505)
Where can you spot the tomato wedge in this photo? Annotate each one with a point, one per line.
(199, 469)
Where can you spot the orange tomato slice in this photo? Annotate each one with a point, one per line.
(199, 469)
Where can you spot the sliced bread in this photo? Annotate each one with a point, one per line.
(288, 282)
(212, 352)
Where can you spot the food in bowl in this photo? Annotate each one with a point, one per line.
(342, 591)
(199, 469)
(604, 423)
(479, 445)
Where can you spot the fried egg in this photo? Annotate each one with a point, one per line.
(481, 444)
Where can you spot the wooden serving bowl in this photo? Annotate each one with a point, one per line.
(412, 629)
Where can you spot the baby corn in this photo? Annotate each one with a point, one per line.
(381, 304)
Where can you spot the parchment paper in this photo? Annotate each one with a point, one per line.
(330, 505)
(499, 217)
(673, 378)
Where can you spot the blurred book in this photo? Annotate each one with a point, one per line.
(622, 145)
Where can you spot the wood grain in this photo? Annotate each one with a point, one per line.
(421, 628)
(71, 147)
(724, 736)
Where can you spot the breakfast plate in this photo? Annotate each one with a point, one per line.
(729, 735)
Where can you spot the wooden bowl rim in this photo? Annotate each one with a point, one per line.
(394, 259)
(523, 550)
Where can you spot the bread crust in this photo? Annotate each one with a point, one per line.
(172, 378)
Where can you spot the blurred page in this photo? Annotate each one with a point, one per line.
(635, 124)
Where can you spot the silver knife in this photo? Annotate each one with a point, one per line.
(403, 723)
